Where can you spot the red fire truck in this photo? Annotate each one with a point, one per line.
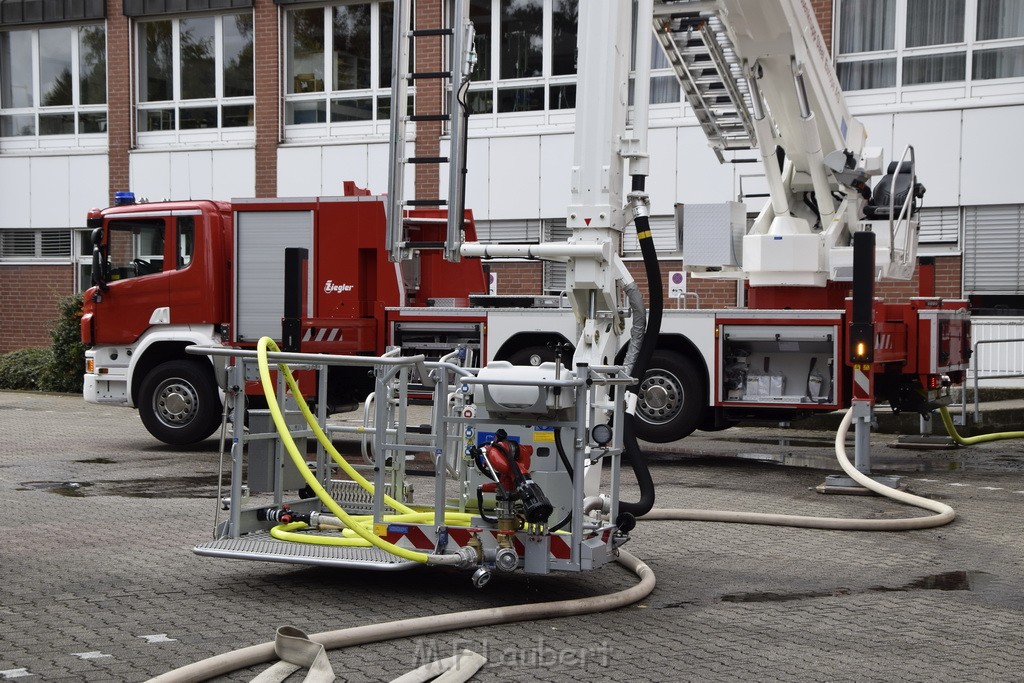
(172, 274)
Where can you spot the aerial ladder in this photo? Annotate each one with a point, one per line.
(405, 232)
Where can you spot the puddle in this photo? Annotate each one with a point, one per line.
(201, 486)
(948, 581)
(98, 461)
(71, 489)
(783, 441)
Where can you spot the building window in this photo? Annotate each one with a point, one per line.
(994, 250)
(35, 246)
(338, 65)
(907, 43)
(195, 74)
(53, 86)
(526, 55)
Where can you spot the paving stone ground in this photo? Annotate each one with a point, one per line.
(99, 582)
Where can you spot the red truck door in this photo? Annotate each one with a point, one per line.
(138, 284)
(149, 277)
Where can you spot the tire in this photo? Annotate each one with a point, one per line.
(179, 403)
(672, 398)
(532, 355)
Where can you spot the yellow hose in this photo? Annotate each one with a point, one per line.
(971, 440)
(357, 525)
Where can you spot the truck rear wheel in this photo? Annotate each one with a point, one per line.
(178, 402)
(671, 398)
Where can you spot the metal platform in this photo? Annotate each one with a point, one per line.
(265, 548)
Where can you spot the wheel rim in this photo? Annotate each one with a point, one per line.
(661, 397)
(175, 402)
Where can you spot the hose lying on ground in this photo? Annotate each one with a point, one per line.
(361, 635)
(971, 440)
(944, 514)
(435, 623)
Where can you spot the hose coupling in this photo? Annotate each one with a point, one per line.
(281, 515)
(467, 558)
(639, 203)
(506, 559)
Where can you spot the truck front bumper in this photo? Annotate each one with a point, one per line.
(106, 389)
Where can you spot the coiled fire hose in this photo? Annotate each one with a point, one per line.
(359, 528)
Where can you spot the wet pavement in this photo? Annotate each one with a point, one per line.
(100, 583)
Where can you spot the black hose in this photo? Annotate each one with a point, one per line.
(562, 454)
(656, 302)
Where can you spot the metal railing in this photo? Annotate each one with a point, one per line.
(976, 374)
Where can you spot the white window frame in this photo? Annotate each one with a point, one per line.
(495, 83)
(200, 136)
(39, 237)
(376, 128)
(1012, 88)
(42, 142)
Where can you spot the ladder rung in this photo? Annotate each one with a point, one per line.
(423, 245)
(426, 202)
(420, 75)
(425, 32)
(427, 160)
(424, 220)
(429, 117)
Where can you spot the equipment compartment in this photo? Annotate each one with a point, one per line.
(778, 364)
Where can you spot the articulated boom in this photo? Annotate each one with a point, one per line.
(758, 74)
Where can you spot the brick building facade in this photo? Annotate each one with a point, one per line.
(30, 291)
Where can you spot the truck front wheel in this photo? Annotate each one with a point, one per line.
(671, 398)
(179, 403)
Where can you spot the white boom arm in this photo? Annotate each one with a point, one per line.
(595, 275)
(784, 99)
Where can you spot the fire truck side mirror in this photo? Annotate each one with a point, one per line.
(98, 260)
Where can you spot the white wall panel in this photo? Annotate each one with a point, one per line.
(191, 175)
(339, 163)
(663, 180)
(49, 178)
(477, 186)
(88, 186)
(150, 175)
(514, 172)
(16, 192)
(377, 168)
(879, 132)
(556, 153)
(233, 173)
(298, 171)
(993, 145)
(936, 140)
(700, 178)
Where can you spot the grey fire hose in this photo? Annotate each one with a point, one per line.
(435, 623)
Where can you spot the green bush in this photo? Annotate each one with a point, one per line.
(58, 368)
(68, 354)
(24, 368)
